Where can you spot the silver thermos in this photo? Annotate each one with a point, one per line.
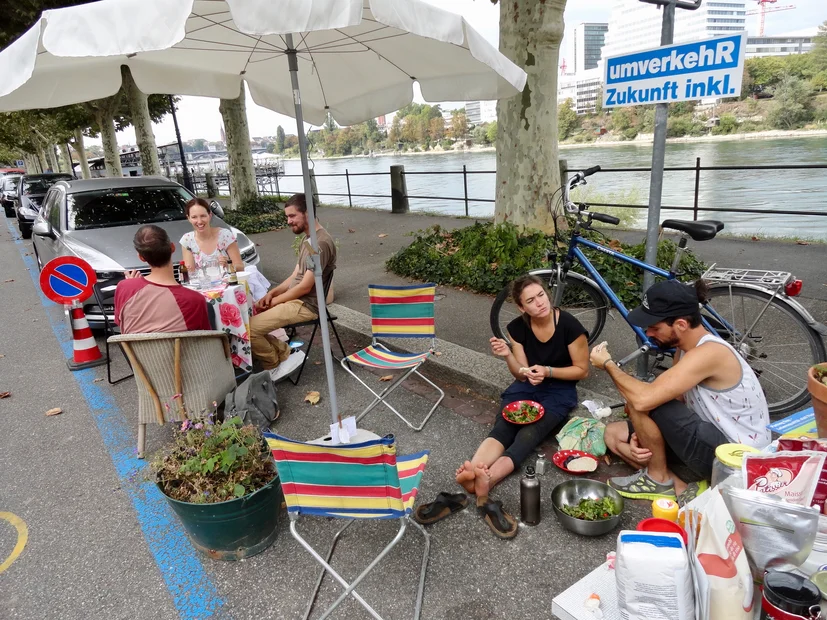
(530, 498)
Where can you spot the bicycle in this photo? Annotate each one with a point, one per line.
(753, 310)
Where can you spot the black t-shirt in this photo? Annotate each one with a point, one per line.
(554, 352)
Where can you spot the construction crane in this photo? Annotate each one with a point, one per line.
(563, 67)
(764, 8)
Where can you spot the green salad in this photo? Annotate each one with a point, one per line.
(592, 509)
(525, 414)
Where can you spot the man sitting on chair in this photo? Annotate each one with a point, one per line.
(294, 300)
(157, 303)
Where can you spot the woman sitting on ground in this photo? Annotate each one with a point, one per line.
(549, 354)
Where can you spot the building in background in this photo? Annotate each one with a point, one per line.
(589, 39)
(798, 42)
(478, 112)
(582, 88)
(635, 26)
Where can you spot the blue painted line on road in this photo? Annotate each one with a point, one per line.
(191, 589)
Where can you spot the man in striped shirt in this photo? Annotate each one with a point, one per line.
(157, 303)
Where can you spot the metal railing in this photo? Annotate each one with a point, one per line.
(269, 184)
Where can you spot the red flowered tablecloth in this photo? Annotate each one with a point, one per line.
(232, 307)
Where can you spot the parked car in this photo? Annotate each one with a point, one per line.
(96, 219)
(8, 192)
(30, 193)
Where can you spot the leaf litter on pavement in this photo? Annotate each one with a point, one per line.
(312, 397)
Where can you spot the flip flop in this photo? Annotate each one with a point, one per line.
(501, 523)
(443, 506)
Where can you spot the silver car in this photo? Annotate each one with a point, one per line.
(96, 219)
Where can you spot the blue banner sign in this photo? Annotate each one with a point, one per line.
(707, 69)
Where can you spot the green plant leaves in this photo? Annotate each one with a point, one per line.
(239, 491)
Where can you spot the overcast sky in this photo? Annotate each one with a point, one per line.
(198, 117)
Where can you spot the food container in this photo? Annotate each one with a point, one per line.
(654, 524)
(788, 596)
(728, 460)
(665, 509)
(570, 492)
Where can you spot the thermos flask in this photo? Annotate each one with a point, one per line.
(530, 498)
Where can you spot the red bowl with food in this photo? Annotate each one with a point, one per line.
(583, 462)
(523, 412)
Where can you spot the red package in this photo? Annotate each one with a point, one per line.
(792, 476)
(817, 445)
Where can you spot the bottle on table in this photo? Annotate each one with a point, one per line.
(530, 498)
(183, 273)
(233, 276)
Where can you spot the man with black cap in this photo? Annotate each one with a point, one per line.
(710, 396)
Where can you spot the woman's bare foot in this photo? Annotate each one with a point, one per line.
(482, 483)
(465, 476)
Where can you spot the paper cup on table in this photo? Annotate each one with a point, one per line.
(242, 276)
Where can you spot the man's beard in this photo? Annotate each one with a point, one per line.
(670, 343)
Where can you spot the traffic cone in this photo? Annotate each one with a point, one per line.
(86, 351)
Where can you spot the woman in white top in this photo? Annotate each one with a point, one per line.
(206, 242)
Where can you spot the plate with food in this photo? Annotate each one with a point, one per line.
(523, 412)
(575, 462)
(592, 509)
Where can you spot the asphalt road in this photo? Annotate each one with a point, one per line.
(102, 544)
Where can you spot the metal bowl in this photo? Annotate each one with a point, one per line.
(570, 492)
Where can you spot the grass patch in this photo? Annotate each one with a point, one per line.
(486, 257)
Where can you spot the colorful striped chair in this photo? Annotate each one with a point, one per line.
(350, 481)
(397, 312)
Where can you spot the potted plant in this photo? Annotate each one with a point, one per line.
(221, 481)
(817, 386)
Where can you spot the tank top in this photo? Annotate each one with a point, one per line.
(740, 412)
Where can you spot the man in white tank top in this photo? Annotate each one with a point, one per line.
(710, 396)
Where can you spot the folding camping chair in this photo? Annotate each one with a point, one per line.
(350, 481)
(397, 312)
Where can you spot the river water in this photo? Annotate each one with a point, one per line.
(800, 190)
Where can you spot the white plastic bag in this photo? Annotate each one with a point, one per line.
(259, 285)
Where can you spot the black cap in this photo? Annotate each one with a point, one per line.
(665, 300)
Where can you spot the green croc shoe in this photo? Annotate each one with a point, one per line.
(641, 486)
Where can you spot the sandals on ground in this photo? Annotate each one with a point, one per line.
(501, 523)
(443, 506)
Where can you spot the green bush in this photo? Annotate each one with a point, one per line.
(259, 214)
(485, 257)
(630, 133)
(727, 124)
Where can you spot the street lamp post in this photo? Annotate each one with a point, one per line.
(187, 179)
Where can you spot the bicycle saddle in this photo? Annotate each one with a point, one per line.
(701, 230)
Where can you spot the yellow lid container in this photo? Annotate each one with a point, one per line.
(665, 509)
(732, 454)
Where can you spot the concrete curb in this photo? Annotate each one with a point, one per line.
(482, 374)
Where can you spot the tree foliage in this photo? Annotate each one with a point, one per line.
(567, 120)
(791, 103)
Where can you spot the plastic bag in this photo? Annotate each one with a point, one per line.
(598, 409)
(583, 434)
(259, 285)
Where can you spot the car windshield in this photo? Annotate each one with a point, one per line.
(41, 185)
(126, 206)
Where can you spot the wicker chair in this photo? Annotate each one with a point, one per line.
(194, 364)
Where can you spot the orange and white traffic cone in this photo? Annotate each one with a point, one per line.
(86, 351)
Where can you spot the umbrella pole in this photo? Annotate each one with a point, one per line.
(293, 65)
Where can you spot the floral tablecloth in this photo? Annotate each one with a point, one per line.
(232, 307)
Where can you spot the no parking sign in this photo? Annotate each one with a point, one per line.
(67, 279)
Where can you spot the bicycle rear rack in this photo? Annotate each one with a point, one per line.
(761, 277)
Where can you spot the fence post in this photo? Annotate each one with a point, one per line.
(212, 188)
(399, 190)
(313, 188)
(697, 186)
(347, 178)
(564, 168)
(278, 191)
(465, 185)
(179, 178)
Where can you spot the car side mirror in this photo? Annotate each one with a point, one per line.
(217, 208)
(43, 229)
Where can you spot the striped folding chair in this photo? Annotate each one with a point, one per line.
(397, 312)
(350, 481)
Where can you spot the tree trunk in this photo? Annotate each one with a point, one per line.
(239, 153)
(67, 159)
(137, 102)
(527, 169)
(51, 153)
(32, 166)
(81, 151)
(42, 162)
(111, 156)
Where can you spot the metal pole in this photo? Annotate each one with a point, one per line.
(349, 199)
(465, 185)
(187, 179)
(656, 180)
(697, 187)
(71, 163)
(293, 65)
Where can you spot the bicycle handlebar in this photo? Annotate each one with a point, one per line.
(590, 171)
(607, 219)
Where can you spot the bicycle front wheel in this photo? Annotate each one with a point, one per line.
(775, 340)
(580, 299)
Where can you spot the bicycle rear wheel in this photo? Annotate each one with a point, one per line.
(580, 299)
(775, 340)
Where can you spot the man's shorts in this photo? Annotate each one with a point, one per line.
(690, 440)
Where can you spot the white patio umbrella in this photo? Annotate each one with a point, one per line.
(360, 59)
